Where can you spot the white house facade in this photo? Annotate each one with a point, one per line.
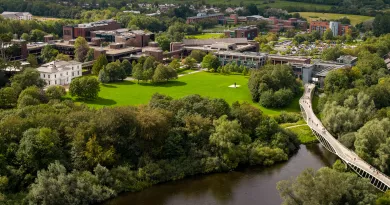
(60, 72)
(17, 15)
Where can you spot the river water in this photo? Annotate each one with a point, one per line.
(254, 185)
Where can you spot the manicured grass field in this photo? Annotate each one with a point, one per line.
(203, 83)
(355, 19)
(304, 133)
(206, 35)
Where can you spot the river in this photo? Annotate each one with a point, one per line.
(253, 185)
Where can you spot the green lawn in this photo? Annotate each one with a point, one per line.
(206, 35)
(355, 19)
(304, 133)
(203, 83)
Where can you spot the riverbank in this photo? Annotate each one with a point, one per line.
(252, 185)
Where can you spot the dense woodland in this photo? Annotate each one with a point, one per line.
(57, 152)
(274, 85)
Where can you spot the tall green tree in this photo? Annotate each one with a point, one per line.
(81, 49)
(48, 53)
(210, 61)
(85, 87)
(99, 64)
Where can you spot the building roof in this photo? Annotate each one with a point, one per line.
(57, 66)
(245, 54)
(96, 23)
(202, 15)
(200, 42)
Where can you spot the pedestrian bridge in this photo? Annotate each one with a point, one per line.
(349, 157)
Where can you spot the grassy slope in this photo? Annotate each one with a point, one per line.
(355, 19)
(304, 133)
(203, 83)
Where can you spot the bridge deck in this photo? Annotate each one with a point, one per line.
(348, 156)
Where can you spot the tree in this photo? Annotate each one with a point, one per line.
(163, 42)
(48, 53)
(115, 71)
(81, 49)
(63, 57)
(149, 63)
(55, 92)
(90, 55)
(37, 35)
(372, 143)
(85, 87)
(103, 76)
(31, 96)
(163, 73)
(331, 54)
(127, 67)
(38, 148)
(384, 199)
(32, 59)
(231, 143)
(175, 64)
(8, 97)
(56, 186)
(328, 34)
(198, 55)
(29, 77)
(99, 64)
(189, 62)
(326, 186)
(210, 61)
(137, 72)
(25, 37)
(96, 154)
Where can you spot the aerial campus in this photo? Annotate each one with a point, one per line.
(178, 102)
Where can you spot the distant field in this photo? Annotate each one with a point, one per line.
(261, 3)
(203, 83)
(355, 19)
(206, 36)
(42, 18)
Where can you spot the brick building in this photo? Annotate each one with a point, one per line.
(136, 38)
(249, 32)
(202, 16)
(84, 30)
(337, 28)
(277, 25)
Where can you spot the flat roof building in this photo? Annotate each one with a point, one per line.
(60, 72)
(248, 59)
(249, 32)
(203, 16)
(84, 30)
(17, 15)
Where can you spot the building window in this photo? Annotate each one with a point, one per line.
(72, 73)
(55, 76)
(49, 82)
(48, 77)
(55, 82)
(78, 72)
(44, 76)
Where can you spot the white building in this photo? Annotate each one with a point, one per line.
(17, 15)
(334, 26)
(60, 72)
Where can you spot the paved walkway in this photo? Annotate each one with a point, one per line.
(347, 155)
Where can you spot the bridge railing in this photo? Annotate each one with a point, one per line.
(372, 170)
